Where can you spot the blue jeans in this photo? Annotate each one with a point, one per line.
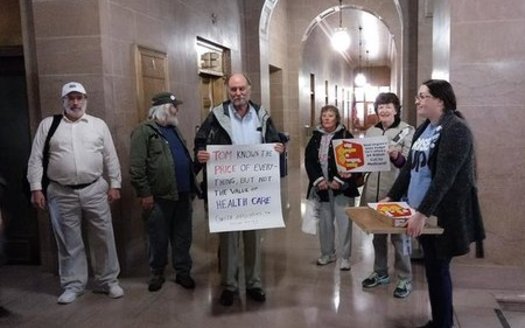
(439, 283)
(170, 223)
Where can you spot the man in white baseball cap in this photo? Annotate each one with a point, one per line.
(73, 87)
(72, 150)
(74, 99)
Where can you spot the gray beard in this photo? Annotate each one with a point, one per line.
(172, 120)
(76, 114)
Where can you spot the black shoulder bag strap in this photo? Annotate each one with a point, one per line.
(45, 153)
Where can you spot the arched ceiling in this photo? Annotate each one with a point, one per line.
(375, 35)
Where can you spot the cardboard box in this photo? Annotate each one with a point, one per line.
(371, 221)
(394, 222)
(395, 214)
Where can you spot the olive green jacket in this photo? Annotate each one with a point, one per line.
(152, 170)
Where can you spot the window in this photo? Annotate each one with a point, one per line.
(363, 114)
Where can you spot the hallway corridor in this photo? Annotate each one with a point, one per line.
(299, 293)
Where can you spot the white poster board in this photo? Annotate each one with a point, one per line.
(244, 188)
(362, 155)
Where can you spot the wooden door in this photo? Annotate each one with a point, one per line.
(213, 92)
(152, 77)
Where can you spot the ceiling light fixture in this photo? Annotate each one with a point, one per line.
(360, 78)
(341, 38)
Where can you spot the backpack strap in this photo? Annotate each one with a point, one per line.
(45, 153)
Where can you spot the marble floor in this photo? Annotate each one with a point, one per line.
(299, 293)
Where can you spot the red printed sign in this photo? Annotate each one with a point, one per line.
(350, 155)
(395, 210)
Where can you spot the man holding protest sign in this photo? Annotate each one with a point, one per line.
(238, 122)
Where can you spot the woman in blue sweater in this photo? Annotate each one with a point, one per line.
(439, 180)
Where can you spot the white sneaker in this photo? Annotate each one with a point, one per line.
(68, 296)
(325, 259)
(403, 288)
(115, 291)
(344, 265)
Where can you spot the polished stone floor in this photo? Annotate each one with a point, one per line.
(299, 293)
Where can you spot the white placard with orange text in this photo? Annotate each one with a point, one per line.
(244, 188)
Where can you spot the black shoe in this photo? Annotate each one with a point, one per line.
(185, 281)
(4, 312)
(227, 297)
(257, 294)
(155, 282)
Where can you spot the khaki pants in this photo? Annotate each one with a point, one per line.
(67, 209)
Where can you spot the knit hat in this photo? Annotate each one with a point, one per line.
(165, 98)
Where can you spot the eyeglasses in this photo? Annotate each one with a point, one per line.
(422, 97)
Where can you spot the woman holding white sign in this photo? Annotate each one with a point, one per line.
(335, 190)
(387, 107)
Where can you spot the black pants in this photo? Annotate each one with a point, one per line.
(439, 283)
(170, 223)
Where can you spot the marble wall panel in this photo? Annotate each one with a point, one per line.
(150, 32)
(489, 41)
(122, 53)
(69, 55)
(487, 73)
(489, 10)
(496, 83)
(60, 18)
(135, 5)
(122, 23)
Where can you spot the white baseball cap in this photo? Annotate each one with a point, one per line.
(72, 87)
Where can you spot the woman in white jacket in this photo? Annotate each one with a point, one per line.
(399, 134)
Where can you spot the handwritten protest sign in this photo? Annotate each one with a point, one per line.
(244, 191)
(362, 155)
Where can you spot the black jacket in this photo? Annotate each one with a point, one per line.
(452, 196)
(216, 130)
(314, 170)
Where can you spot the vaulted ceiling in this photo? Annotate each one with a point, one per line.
(377, 47)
